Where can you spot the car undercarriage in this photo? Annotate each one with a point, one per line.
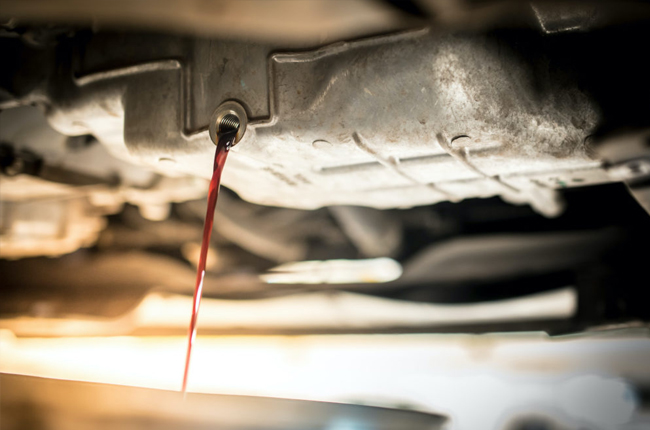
(401, 170)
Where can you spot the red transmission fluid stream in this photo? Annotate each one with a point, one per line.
(224, 144)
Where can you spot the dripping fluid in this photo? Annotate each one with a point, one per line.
(223, 147)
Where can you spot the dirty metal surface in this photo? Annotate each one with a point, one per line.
(393, 121)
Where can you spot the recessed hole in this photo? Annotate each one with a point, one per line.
(462, 136)
(578, 180)
(166, 161)
(321, 144)
(229, 122)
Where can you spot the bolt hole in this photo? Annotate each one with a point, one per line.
(462, 136)
(228, 123)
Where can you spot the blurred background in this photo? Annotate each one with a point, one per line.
(436, 214)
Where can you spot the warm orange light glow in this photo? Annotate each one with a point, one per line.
(448, 373)
(319, 310)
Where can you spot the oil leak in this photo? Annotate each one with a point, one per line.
(226, 139)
